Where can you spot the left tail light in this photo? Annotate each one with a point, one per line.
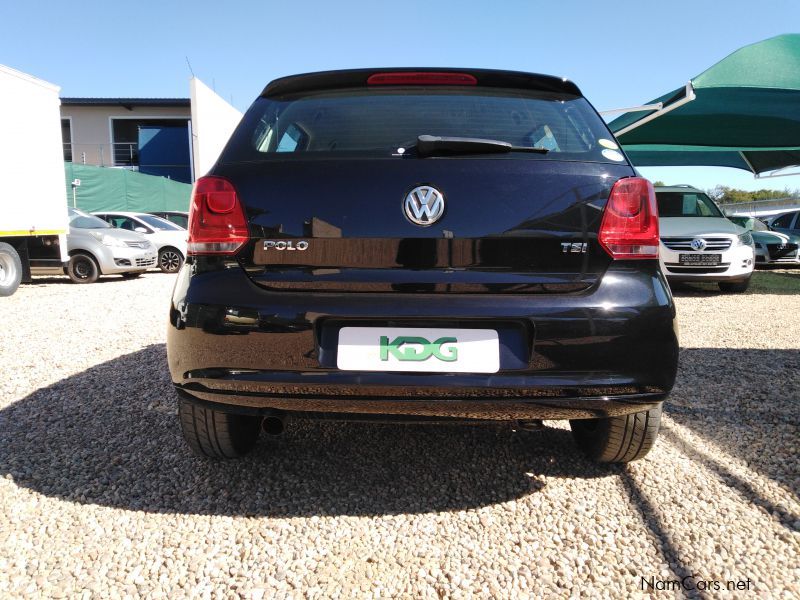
(217, 224)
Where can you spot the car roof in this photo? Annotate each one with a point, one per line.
(787, 212)
(678, 188)
(122, 213)
(350, 78)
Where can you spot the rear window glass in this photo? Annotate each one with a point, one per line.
(686, 204)
(379, 122)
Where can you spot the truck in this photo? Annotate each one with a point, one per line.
(33, 198)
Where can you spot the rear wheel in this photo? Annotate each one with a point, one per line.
(170, 260)
(10, 269)
(617, 439)
(82, 268)
(734, 286)
(217, 434)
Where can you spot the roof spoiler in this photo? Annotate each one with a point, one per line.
(354, 78)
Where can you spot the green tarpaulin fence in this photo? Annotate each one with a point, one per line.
(109, 189)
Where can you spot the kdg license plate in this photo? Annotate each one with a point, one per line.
(418, 349)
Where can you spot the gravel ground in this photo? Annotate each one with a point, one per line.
(100, 498)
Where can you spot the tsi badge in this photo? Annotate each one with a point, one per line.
(418, 348)
(285, 245)
(573, 248)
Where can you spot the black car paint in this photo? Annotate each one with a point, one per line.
(588, 336)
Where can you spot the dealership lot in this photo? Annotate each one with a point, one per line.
(100, 496)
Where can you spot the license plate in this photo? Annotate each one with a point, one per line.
(700, 259)
(432, 350)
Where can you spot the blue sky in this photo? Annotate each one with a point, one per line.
(619, 53)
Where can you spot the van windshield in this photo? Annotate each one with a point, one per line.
(686, 204)
(379, 122)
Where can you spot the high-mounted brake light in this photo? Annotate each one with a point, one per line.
(629, 229)
(217, 224)
(421, 78)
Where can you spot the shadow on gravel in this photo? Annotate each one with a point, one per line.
(744, 401)
(745, 488)
(659, 534)
(110, 436)
(58, 279)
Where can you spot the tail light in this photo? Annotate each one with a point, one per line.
(629, 229)
(217, 224)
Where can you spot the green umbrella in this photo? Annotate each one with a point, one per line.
(743, 112)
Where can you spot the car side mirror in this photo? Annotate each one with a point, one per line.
(140, 230)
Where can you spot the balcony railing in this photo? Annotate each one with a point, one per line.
(118, 154)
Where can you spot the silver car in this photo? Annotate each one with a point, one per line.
(96, 248)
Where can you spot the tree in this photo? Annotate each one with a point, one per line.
(724, 194)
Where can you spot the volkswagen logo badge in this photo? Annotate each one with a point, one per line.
(424, 205)
(698, 244)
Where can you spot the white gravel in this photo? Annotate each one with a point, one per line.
(100, 498)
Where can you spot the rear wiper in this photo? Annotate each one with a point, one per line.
(432, 145)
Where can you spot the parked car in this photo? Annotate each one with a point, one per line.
(698, 243)
(788, 222)
(95, 248)
(168, 238)
(772, 247)
(422, 245)
(179, 217)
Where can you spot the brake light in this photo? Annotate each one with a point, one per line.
(217, 224)
(629, 229)
(421, 78)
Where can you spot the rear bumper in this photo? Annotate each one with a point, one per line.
(607, 351)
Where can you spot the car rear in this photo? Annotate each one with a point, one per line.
(421, 244)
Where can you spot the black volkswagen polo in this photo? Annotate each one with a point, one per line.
(423, 245)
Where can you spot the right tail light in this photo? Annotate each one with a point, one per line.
(629, 229)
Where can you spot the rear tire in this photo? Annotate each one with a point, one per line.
(736, 287)
(217, 434)
(617, 439)
(10, 269)
(82, 268)
(170, 260)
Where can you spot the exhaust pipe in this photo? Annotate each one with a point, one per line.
(530, 425)
(273, 425)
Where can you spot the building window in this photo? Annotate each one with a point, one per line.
(66, 139)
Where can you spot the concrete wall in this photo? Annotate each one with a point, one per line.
(213, 121)
(91, 128)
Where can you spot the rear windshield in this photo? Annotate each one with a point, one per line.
(686, 204)
(379, 122)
